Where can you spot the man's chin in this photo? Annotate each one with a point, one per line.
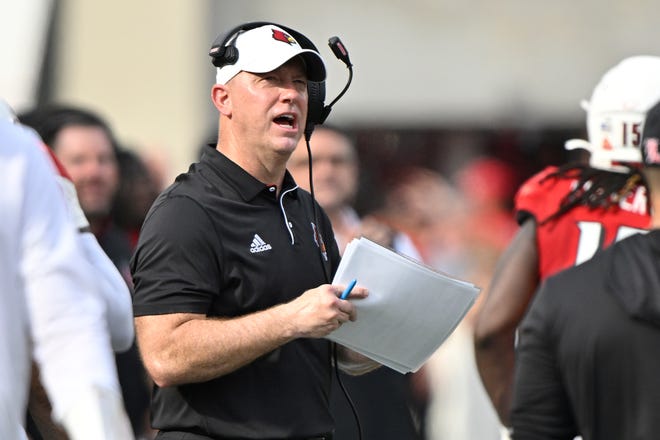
(96, 213)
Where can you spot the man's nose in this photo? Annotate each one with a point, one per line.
(291, 91)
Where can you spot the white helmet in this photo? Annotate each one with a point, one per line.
(616, 112)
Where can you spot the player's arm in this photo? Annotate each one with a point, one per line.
(112, 290)
(65, 315)
(511, 288)
(111, 286)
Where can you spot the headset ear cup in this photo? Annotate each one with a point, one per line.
(224, 55)
(315, 106)
(230, 55)
(217, 56)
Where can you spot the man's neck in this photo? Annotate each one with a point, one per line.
(268, 170)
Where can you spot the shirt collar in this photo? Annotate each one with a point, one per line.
(247, 186)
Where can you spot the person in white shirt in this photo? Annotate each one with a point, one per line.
(52, 307)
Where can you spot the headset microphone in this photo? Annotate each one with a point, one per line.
(320, 114)
(339, 50)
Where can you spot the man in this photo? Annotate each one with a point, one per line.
(587, 360)
(231, 270)
(51, 310)
(86, 148)
(568, 213)
(382, 398)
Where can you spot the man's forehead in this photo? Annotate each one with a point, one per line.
(296, 63)
(84, 139)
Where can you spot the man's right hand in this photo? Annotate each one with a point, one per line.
(319, 311)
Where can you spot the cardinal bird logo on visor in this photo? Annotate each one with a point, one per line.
(281, 36)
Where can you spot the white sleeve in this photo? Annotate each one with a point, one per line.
(114, 292)
(69, 332)
(110, 284)
(75, 210)
(98, 413)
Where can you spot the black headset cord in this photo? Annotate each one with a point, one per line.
(341, 53)
(335, 361)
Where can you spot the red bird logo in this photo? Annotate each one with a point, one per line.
(281, 36)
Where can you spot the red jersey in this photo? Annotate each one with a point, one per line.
(578, 234)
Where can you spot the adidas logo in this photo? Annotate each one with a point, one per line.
(259, 245)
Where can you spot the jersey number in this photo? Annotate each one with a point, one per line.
(632, 133)
(591, 238)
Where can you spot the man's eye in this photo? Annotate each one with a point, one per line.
(76, 160)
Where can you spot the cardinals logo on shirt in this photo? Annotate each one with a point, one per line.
(283, 37)
(318, 239)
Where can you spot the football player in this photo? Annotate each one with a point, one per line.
(568, 213)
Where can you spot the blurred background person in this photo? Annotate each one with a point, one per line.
(336, 172)
(482, 223)
(487, 186)
(382, 398)
(421, 203)
(433, 211)
(137, 190)
(52, 310)
(587, 360)
(85, 145)
(567, 214)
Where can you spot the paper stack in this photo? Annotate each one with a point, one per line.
(410, 311)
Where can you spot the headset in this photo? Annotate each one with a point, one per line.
(223, 52)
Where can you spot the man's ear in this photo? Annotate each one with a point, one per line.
(221, 99)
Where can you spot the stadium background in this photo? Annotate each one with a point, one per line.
(436, 83)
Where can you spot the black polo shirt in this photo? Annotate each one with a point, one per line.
(220, 242)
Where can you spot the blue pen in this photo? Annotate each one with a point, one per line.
(347, 290)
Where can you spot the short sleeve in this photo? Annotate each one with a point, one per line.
(538, 197)
(176, 266)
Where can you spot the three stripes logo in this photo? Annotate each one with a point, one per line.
(259, 245)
